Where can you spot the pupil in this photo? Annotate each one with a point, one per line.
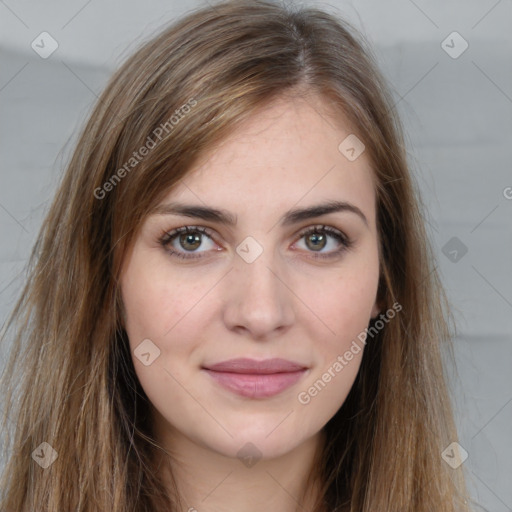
(193, 240)
(315, 237)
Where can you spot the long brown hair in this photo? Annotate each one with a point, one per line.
(179, 95)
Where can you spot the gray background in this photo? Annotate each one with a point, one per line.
(457, 113)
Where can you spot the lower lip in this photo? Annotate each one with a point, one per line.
(256, 386)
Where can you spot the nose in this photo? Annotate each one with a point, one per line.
(258, 301)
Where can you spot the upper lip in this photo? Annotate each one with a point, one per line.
(266, 366)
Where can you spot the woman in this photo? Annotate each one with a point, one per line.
(231, 303)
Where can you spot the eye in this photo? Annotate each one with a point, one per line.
(316, 238)
(183, 242)
(189, 238)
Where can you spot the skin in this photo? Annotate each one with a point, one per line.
(284, 304)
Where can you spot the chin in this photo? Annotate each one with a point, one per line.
(255, 443)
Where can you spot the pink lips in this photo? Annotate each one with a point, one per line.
(256, 379)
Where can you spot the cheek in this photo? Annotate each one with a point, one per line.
(338, 359)
(145, 303)
(159, 307)
(163, 307)
(344, 303)
(155, 298)
(345, 313)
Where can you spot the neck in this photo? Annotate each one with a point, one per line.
(208, 481)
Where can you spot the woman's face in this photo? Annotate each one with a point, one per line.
(254, 284)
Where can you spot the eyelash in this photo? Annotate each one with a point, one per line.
(345, 242)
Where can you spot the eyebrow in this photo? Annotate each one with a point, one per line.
(227, 218)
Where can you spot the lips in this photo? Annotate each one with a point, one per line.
(244, 365)
(256, 379)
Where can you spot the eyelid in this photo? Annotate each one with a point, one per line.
(331, 230)
(167, 235)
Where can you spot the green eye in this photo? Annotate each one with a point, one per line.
(191, 238)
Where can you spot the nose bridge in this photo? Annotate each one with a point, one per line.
(256, 298)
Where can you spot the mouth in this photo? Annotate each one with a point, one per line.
(256, 379)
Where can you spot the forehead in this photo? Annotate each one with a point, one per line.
(284, 154)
